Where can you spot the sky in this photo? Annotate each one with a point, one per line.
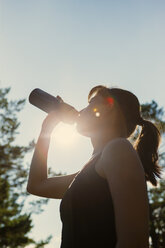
(67, 47)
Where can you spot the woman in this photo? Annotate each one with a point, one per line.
(105, 204)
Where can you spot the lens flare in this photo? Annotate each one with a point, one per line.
(64, 134)
(97, 114)
(110, 100)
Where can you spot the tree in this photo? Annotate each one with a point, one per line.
(156, 195)
(15, 224)
(157, 215)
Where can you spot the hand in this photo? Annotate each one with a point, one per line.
(64, 112)
(50, 122)
(67, 113)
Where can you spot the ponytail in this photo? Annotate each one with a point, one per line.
(147, 148)
(148, 141)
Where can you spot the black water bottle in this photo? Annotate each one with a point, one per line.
(43, 100)
(48, 103)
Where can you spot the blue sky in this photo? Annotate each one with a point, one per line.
(66, 48)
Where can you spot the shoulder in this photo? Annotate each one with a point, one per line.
(125, 176)
(119, 154)
(119, 147)
(118, 143)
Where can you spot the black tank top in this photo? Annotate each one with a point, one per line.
(87, 212)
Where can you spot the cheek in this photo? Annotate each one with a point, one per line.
(89, 119)
(87, 116)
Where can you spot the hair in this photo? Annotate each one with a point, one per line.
(148, 141)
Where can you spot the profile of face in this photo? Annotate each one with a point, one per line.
(95, 117)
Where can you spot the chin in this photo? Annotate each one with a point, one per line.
(83, 131)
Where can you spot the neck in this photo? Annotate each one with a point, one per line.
(99, 141)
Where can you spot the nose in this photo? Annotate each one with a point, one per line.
(80, 112)
(78, 115)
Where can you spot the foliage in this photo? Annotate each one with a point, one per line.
(156, 195)
(152, 112)
(15, 223)
(157, 215)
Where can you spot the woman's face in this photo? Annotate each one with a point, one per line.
(94, 117)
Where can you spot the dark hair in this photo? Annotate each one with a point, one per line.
(148, 141)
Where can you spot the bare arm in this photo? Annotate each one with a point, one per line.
(38, 182)
(125, 176)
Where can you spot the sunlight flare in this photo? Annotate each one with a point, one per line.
(97, 114)
(65, 134)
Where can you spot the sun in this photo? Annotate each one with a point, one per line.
(65, 134)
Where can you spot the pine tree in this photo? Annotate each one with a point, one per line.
(15, 223)
(156, 195)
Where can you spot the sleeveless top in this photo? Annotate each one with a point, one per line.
(87, 212)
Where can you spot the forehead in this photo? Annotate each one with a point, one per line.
(97, 99)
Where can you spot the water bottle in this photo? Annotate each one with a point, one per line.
(43, 100)
(47, 103)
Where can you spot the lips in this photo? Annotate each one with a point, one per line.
(79, 120)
